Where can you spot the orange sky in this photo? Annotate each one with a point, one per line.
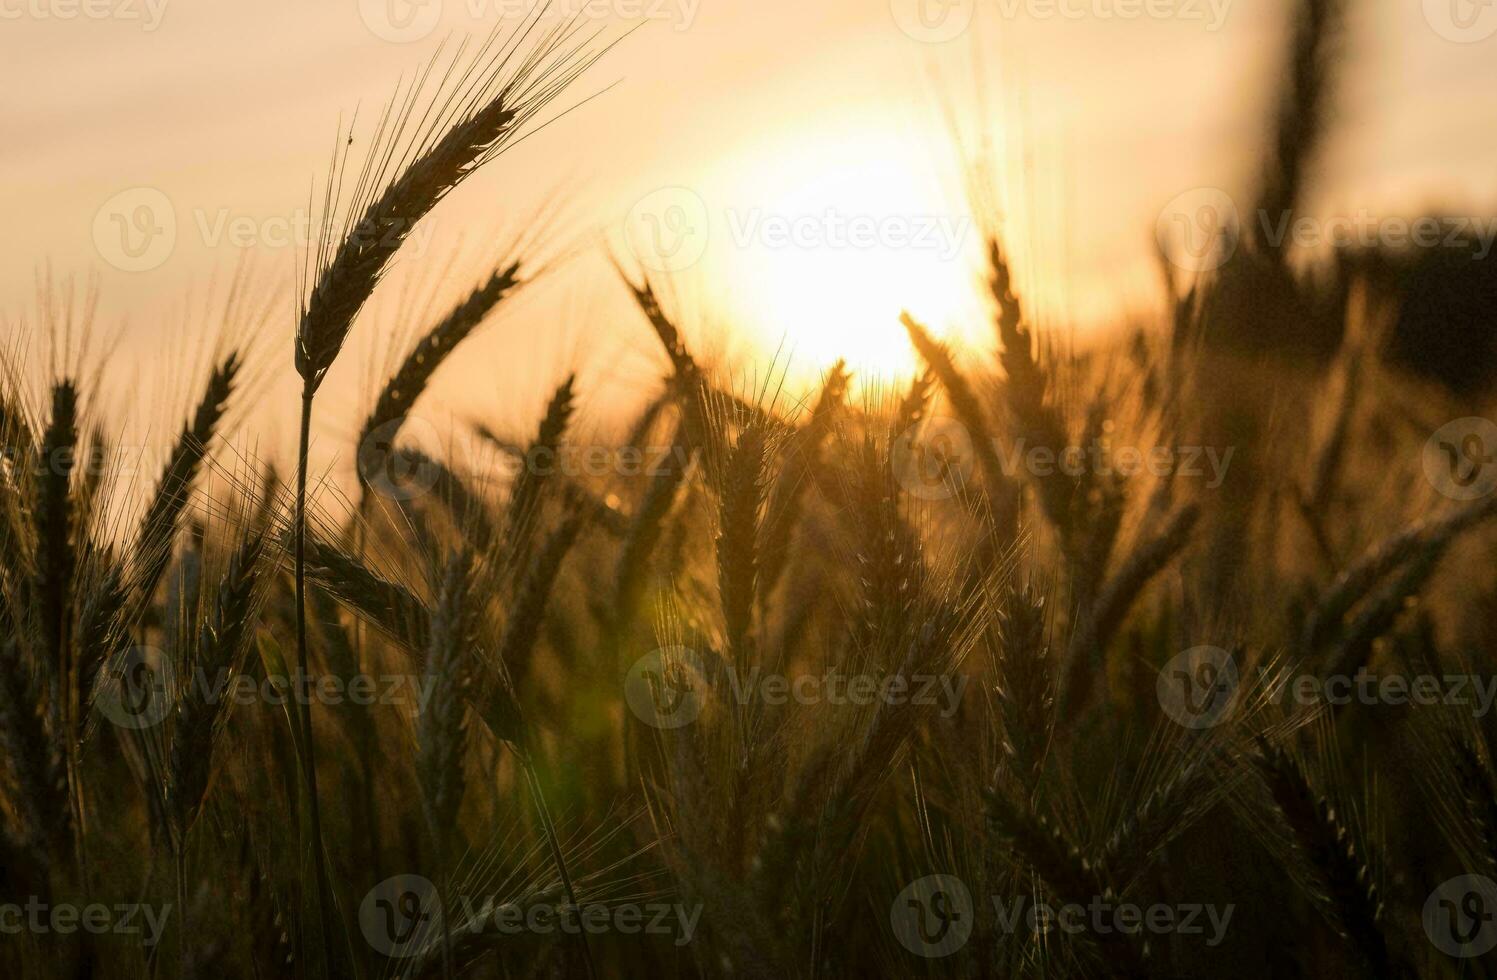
(806, 140)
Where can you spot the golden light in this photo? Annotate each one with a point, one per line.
(831, 237)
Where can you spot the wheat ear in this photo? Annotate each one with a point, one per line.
(1350, 892)
(402, 389)
(159, 525)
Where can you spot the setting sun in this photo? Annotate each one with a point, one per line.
(834, 236)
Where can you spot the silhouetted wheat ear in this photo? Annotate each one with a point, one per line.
(529, 610)
(1148, 558)
(1024, 390)
(1026, 381)
(94, 456)
(53, 533)
(536, 468)
(409, 380)
(670, 336)
(1351, 896)
(889, 566)
(1474, 782)
(441, 729)
(1427, 538)
(1067, 874)
(915, 404)
(158, 527)
(102, 629)
(1379, 614)
(740, 504)
(476, 937)
(802, 456)
(969, 411)
(387, 605)
(465, 126)
(1025, 686)
(466, 505)
(698, 398)
(201, 705)
(1164, 812)
(633, 568)
(878, 745)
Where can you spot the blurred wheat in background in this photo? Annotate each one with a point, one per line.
(1166, 653)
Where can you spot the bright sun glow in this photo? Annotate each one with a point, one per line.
(833, 237)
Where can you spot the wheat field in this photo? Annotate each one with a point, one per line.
(1167, 655)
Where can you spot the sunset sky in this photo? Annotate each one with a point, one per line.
(777, 139)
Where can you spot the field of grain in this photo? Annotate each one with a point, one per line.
(1170, 654)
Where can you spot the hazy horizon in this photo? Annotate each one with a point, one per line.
(784, 133)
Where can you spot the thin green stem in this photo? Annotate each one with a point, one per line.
(324, 902)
